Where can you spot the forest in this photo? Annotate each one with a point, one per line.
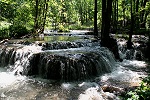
(102, 18)
(63, 15)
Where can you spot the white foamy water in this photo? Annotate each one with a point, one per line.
(95, 93)
(8, 79)
(134, 63)
(17, 87)
(9, 83)
(22, 88)
(22, 57)
(126, 73)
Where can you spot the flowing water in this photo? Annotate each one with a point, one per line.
(70, 66)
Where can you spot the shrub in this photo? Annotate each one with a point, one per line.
(61, 28)
(142, 92)
(17, 31)
(4, 32)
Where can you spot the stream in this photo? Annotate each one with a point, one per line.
(68, 66)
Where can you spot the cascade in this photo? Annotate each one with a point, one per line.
(7, 56)
(32, 69)
(70, 66)
(130, 54)
(62, 60)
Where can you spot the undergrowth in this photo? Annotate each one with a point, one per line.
(140, 93)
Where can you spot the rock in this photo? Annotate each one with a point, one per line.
(112, 89)
(26, 43)
(111, 44)
(139, 55)
(4, 41)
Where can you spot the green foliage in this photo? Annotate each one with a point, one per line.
(7, 30)
(17, 12)
(7, 11)
(76, 27)
(23, 15)
(80, 27)
(61, 28)
(71, 12)
(133, 96)
(17, 31)
(75, 13)
(141, 31)
(142, 92)
(4, 32)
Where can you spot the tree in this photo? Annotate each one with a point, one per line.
(95, 19)
(106, 20)
(16, 12)
(135, 19)
(36, 17)
(115, 16)
(143, 14)
(129, 42)
(41, 8)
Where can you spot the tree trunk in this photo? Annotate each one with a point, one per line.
(129, 43)
(143, 4)
(106, 18)
(117, 6)
(137, 5)
(81, 15)
(115, 16)
(124, 15)
(95, 19)
(41, 8)
(44, 14)
(137, 15)
(36, 17)
(106, 41)
(103, 19)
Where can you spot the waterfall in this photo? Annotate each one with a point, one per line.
(7, 56)
(70, 66)
(27, 69)
(60, 64)
(129, 54)
(17, 58)
(77, 57)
